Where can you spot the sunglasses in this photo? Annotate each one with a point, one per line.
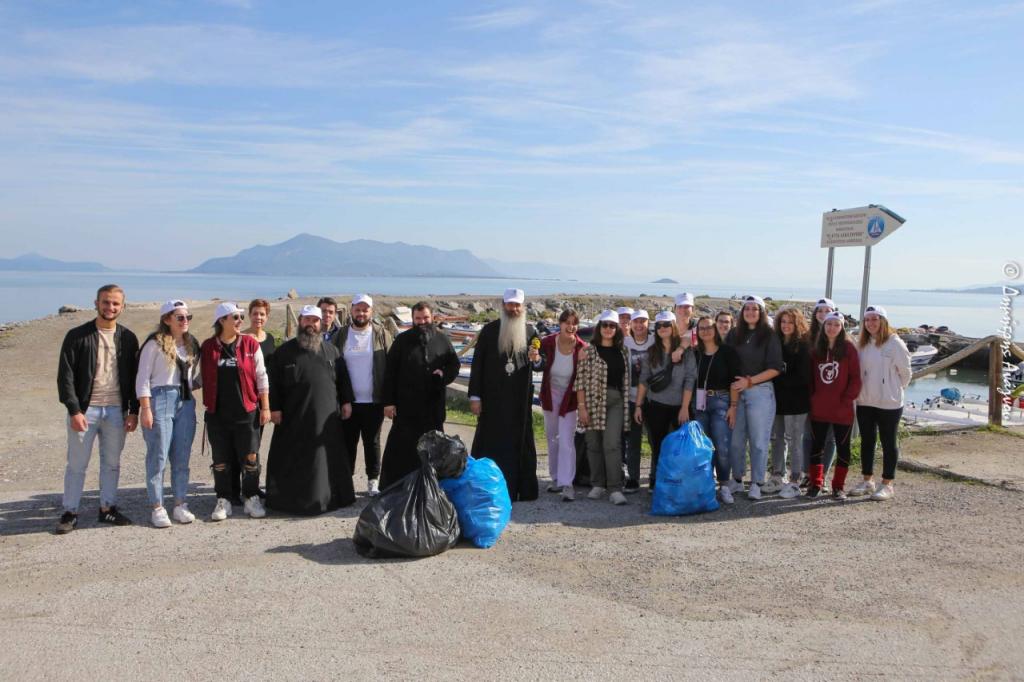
(609, 325)
(237, 317)
(183, 318)
(662, 325)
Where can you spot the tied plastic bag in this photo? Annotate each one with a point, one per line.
(411, 518)
(447, 454)
(686, 483)
(480, 496)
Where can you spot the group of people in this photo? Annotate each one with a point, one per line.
(751, 383)
(755, 384)
(324, 390)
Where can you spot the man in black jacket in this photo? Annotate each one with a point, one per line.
(96, 383)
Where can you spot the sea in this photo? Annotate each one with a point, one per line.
(30, 295)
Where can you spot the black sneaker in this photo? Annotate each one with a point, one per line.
(263, 493)
(114, 517)
(813, 491)
(631, 486)
(805, 482)
(237, 501)
(68, 522)
(839, 494)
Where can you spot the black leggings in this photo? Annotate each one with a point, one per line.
(842, 432)
(884, 423)
(661, 420)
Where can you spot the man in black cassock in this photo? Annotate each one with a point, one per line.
(307, 469)
(501, 395)
(420, 364)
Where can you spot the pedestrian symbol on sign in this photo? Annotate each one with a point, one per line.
(876, 226)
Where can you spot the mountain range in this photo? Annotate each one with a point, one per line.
(37, 263)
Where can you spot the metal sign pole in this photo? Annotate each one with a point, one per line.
(865, 285)
(831, 266)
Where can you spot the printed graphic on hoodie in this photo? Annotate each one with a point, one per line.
(828, 371)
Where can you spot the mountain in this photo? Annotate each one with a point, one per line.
(35, 262)
(307, 254)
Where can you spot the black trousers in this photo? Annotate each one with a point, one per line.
(842, 432)
(364, 423)
(231, 442)
(878, 424)
(661, 420)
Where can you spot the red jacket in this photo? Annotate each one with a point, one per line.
(548, 350)
(245, 355)
(836, 385)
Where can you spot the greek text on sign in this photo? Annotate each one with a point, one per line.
(863, 226)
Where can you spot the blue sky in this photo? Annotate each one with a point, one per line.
(696, 141)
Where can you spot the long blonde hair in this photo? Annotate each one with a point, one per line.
(884, 332)
(164, 339)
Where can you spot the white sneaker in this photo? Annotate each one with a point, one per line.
(726, 494)
(789, 491)
(884, 492)
(618, 498)
(863, 488)
(568, 494)
(773, 485)
(182, 514)
(754, 492)
(222, 510)
(596, 493)
(254, 508)
(735, 486)
(159, 518)
(372, 488)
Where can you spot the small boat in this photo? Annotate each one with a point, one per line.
(923, 355)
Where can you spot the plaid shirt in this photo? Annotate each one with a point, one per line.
(592, 379)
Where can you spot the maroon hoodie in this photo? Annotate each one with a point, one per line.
(836, 385)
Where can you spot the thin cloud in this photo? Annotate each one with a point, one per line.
(510, 17)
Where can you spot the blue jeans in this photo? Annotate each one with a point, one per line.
(755, 416)
(174, 427)
(108, 424)
(715, 424)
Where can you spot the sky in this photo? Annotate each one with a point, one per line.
(698, 141)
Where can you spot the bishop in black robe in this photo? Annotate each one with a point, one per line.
(307, 469)
(504, 385)
(421, 363)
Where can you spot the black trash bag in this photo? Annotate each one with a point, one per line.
(410, 518)
(447, 454)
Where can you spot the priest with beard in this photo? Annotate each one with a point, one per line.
(310, 393)
(420, 365)
(501, 395)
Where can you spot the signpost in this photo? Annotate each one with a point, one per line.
(864, 226)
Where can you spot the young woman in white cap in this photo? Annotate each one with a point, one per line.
(235, 388)
(638, 341)
(662, 383)
(835, 385)
(168, 373)
(760, 361)
(792, 402)
(822, 309)
(885, 374)
(684, 322)
(625, 314)
(714, 399)
(558, 401)
(602, 383)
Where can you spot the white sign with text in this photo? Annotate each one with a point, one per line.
(864, 226)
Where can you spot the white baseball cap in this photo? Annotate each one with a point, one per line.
(684, 298)
(514, 296)
(835, 315)
(624, 310)
(824, 303)
(608, 316)
(877, 310)
(225, 308)
(362, 298)
(171, 306)
(664, 316)
(640, 314)
(311, 311)
(754, 299)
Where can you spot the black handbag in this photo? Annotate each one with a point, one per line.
(661, 379)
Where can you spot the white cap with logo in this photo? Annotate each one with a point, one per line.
(171, 306)
(225, 308)
(640, 314)
(311, 311)
(608, 316)
(362, 298)
(624, 310)
(684, 298)
(664, 316)
(514, 296)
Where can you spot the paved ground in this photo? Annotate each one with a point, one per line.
(929, 586)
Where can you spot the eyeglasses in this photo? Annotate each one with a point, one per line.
(609, 325)
(706, 328)
(662, 325)
(183, 318)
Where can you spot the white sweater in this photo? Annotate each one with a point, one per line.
(885, 373)
(154, 370)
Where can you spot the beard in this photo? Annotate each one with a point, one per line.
(360, 325)
(310, 339)
(512, 334)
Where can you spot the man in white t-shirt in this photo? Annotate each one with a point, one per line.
(637, 341)
(364, 346)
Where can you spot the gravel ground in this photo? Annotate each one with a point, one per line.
(929, 586)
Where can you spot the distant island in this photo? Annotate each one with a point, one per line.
(973, 290)
(33, 262)
(665, 280)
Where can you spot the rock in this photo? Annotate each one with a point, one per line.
(67, 309)
(454, 305)
(292, 294)
(478, 307)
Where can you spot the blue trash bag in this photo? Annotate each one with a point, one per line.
(685, 483)
(480, 497)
